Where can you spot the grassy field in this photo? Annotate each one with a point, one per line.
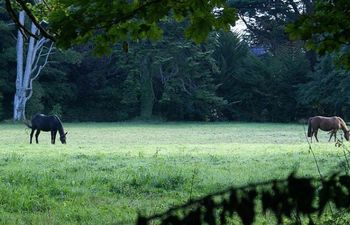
(110, 171)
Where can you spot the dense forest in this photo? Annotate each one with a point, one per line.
(253, 75)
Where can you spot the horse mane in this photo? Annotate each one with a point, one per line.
(343, 124)
(60, 129)
(58, 118)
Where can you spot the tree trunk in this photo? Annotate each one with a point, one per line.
(147, 92)
(18, 103)
(26, 76)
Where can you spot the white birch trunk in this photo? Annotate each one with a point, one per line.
(33, 67)
(18, 99)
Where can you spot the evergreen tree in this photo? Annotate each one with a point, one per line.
(182, 76)
(326, 91)
(259, 88)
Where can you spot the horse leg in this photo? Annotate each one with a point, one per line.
(332, 133)
(54, 136)
(31, 136)
(335, 136)
(312, 134)
(36, 136)
(316, 135)
(311, 137)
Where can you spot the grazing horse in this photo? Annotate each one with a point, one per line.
(41, 122)
(332, 124)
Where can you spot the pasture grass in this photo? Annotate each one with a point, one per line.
(108, 172)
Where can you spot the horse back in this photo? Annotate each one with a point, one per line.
(45, 123)
(325, 123)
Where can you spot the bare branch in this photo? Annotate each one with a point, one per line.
(235, 102)
(14, 37)
(245, 22)
(161, 74)
(38, 45)
(184, 87)
(30, 88)
(294, 6)
(165, 77)
(47, 5)
(175, 70)
(35, 65)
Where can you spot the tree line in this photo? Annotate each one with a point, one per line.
(222, 79)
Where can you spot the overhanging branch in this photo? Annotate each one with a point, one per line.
(35, 21)
(22, 28)
(25, 32)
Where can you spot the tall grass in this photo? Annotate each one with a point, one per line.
(108, 172)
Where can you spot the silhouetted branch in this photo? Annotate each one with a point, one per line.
(35, 21)
(289, 198)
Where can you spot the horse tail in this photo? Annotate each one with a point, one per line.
(27, 124)
(309, 129)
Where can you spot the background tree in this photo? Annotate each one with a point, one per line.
(266, 22)
(52, 88)
(36, 58)
(240, 78)
(95, 87)
(183, 76)
(175, 79)
(326, 91)
(259, 87)
(7, 62)
(326, 30)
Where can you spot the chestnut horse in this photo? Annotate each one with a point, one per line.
(332, 124)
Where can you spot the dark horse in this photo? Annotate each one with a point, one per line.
(332, 124)
(42, 122)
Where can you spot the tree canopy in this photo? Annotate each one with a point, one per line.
(173, 78)
(326, 30)
(108, 22)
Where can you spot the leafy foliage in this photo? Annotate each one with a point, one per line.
(255, 90)
(266, 20)
(221, 79)
(284, 198)
(186, 78)
(108, 22)
(325, 91)
(326, 30)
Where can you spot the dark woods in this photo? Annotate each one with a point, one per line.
(174, 79)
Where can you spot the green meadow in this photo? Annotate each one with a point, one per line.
(109, 172)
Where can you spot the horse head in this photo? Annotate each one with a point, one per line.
(63, 138)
